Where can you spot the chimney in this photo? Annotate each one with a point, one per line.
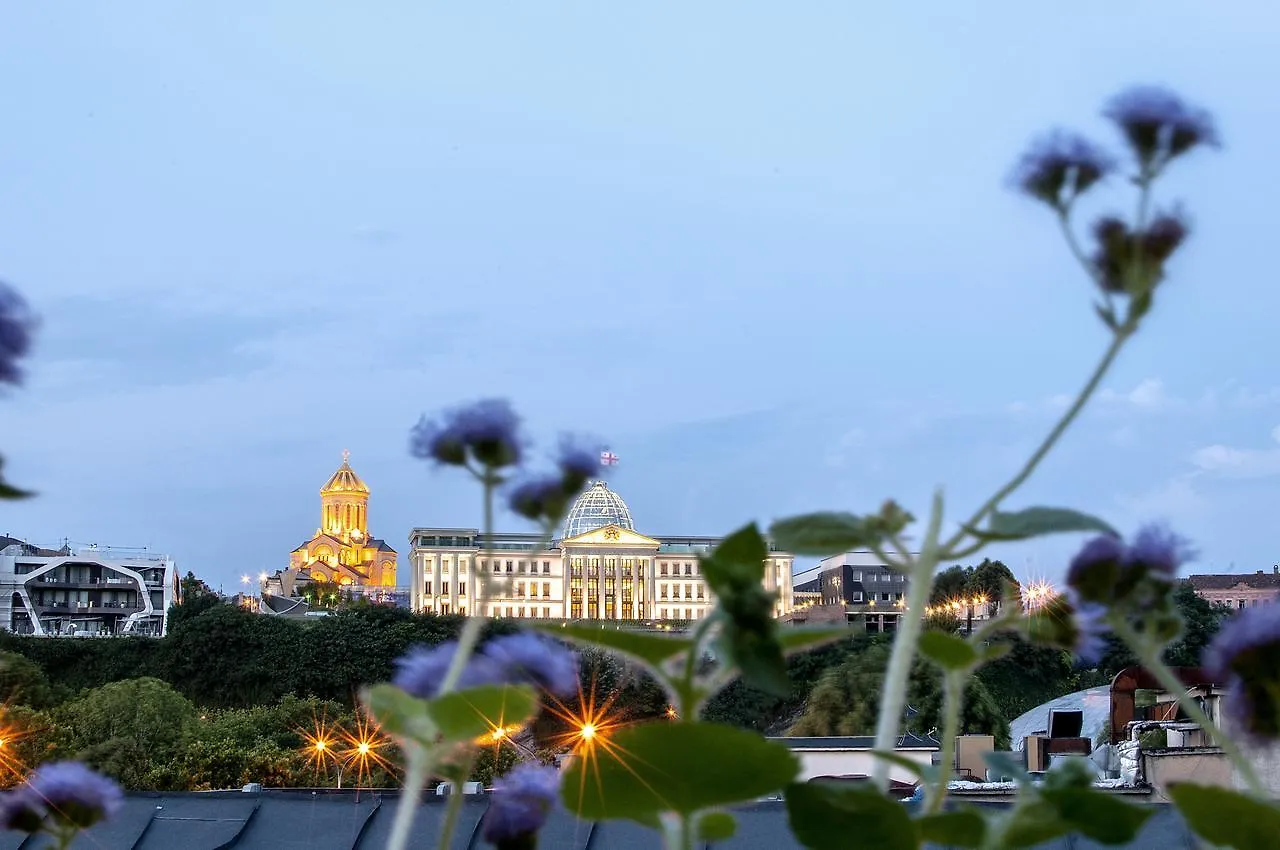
(1276, 569)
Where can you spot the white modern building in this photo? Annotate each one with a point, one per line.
(84, 591)
(600, 568)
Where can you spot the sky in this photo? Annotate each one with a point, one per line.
(768, 255)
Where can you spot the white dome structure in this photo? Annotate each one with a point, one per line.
(597, 507)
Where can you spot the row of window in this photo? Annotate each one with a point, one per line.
(675, 591)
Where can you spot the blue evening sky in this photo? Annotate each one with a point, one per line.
(765, 251)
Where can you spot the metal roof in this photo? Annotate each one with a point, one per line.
(294, 820)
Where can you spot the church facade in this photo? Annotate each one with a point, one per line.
(600, 568)
(342, 552)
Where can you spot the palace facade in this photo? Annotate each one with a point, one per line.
(599, 568)
(342, 552)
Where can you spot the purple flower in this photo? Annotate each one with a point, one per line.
(16, 325)
(1160, 125)
(1127, 260)
(1091, 631)
(1158, 553)
(488, 430)
(1245, 655)
(74, 794)
(578, 465)
(421, 671)
(522, 800)
(539, 498)
(1060, 166)
(1108, 571)
(540, 661)
(21, 811)
(1095, 570)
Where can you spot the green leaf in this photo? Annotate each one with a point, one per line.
(755, 650)
(947, 651)
(993, 651)
(677, 767)
(1036, 522)
(464, 715)
(716, 826)
(825, 817)
(1031, 822)
(808, 637)
(923, 772)
(1005, 765)
(1098, 815)
(962, 827)
(1228, 818)
(458, 716)
(652, 649)
(738, 561)
(401, 715)
(823, 533)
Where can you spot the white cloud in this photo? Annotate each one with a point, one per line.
(1176, 501)
(1230, 462)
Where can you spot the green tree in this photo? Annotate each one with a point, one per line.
(129, 729)
(23, 682)
(988, 580)
(949, 584)
(1028, 675)
(981, 714)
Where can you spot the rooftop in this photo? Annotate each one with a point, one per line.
(1259, 580)
(307, 820)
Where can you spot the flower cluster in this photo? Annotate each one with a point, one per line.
(522, 658)
(16, 324)
(1060, 167)
(486, 432)
(1109, 577)
(546, 498)
(1159, 125)
(60, 797)
(1246, 656)
(522, 799)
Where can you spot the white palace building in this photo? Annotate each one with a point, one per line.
(601, 568)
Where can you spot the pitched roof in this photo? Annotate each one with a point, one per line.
(1258, 581)
(307, 820)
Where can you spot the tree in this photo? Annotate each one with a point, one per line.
(980, 715)
(949, 584)
(22, 682)
(129, 729)
(988, 579)
(1201, 621)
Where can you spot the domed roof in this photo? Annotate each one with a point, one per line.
(597, 507)
(345, 479)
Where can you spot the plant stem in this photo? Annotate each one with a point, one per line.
(894, 695)
(952, 703)
(677, 831)
(1152, 661)
(452, 809)
(415, 776)
(1118, 339)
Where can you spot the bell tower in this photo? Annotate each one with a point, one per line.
(344, 504)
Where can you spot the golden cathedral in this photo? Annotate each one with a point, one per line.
(342, 551)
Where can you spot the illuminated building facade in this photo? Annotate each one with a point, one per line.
(342, 552)
(852, 587)
(84, 592)
(600, 568)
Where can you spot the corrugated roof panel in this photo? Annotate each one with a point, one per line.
(189, 822)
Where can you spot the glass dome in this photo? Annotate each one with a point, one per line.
(597, 507)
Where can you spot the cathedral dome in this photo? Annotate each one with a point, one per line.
(597, 507)
(345, 479)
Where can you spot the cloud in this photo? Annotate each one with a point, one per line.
(1231, 462)
(1176, 501)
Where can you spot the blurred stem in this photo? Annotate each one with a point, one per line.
(894, 696)
(454, 807)
(471, 629)
(1064, 220)
(1118, 339)
(952, 704)
(677, 831)
(415, 776)
(1150, 657)
(688, 712)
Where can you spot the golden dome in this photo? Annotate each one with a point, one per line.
(345, 479)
